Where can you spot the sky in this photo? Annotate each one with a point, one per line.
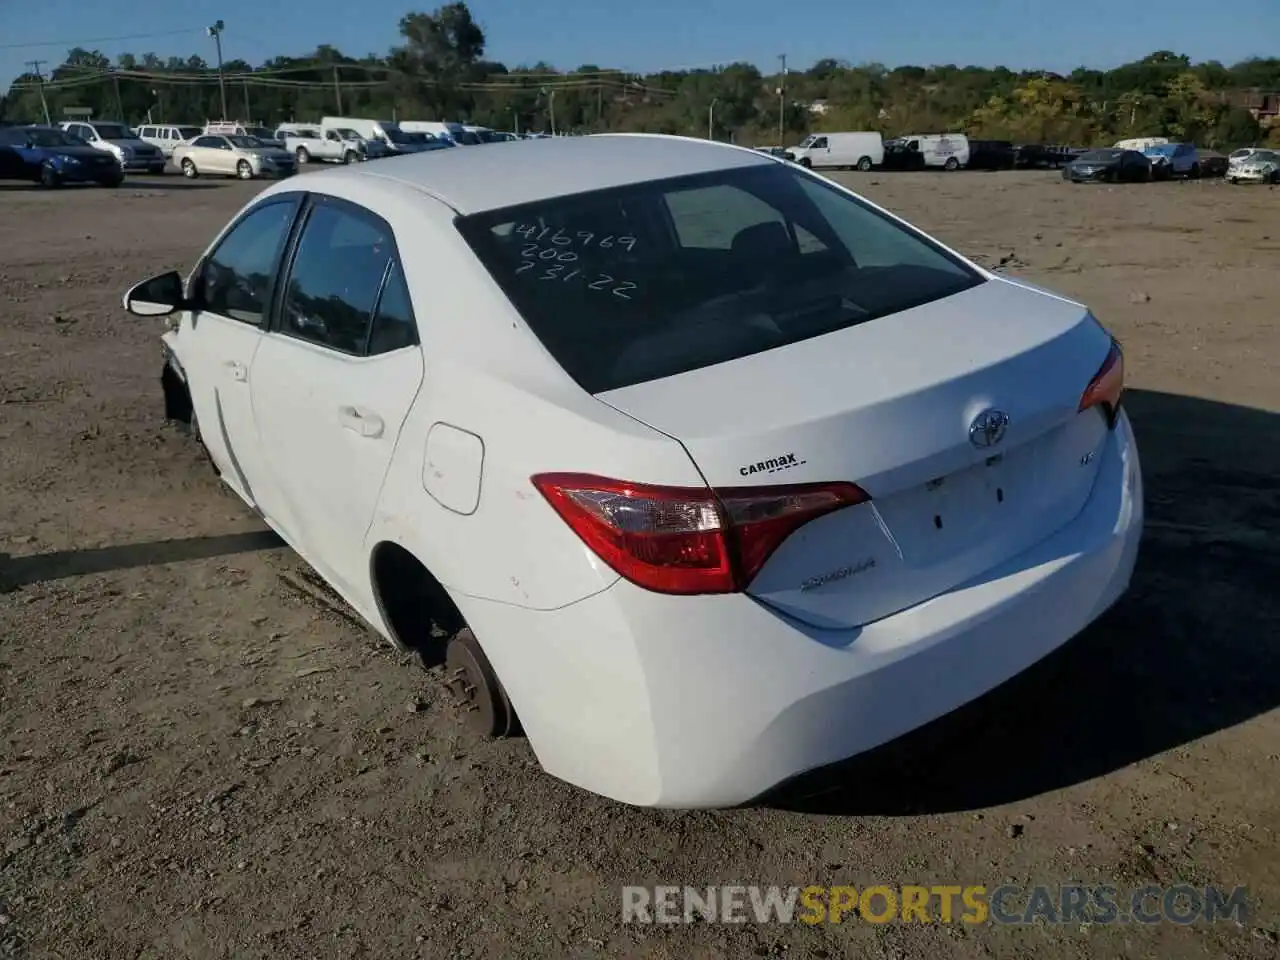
(668, 34)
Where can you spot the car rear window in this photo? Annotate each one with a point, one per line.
(642, 282)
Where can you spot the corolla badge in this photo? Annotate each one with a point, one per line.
(988, 428)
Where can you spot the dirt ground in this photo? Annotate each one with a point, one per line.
(201, 755)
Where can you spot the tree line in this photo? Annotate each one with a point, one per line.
(439, 71)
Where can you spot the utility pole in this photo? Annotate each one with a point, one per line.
(248, 111)
(337, 88)
(35, 66)
(215, 31)
(599, 103)
(711, 118)
(551, 108)
(115, 82)
(782, 100)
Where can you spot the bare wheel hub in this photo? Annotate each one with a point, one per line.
(475, 688)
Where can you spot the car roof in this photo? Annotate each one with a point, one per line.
(473, 181)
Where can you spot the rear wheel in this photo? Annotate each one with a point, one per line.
(864, 164)
(1195, 171)
(951, 164)
(302, 155)
(476, 690)
(189, 168)
(244, 170)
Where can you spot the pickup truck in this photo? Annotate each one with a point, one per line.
(338, 146)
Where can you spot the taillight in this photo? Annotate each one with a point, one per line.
(1107, 385)
(687, 540)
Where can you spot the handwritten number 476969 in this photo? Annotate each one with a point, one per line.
(585, 238)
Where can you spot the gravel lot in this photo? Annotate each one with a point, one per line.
(203, 755)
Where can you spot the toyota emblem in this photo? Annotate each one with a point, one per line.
(988, 428)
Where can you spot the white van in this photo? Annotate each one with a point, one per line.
(444, 129)
(950, 151)
(166, 136)
(860, 151)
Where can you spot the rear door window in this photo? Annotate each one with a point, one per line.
(338, 270)
(637, 283)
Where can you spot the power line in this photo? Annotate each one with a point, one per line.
(83, 41)
(83, 76)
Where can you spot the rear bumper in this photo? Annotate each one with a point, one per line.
(712, 701)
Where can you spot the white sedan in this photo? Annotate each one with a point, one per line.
(704, 467)
(232, 156)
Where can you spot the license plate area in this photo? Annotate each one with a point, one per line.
(949, 514)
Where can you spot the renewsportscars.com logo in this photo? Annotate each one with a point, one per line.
(940, 903)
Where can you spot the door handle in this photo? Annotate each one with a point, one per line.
(361, 422)
(237, 370)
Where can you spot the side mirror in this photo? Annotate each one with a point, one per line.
(157, 297)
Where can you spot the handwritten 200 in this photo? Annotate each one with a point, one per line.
(558, 260)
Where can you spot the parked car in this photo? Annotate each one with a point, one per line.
(1141, 144)
(900, 154)
(118, 140)
(702, 468)
(1213, 163)
(457, 133)
(1109, 165)
(340, 145)
(1030, 156)
(840, 151)
(232, 156)
(389, 136)
(1261, 166)
(236, 128)
(781, 152)
(165, 136)
(51, 157)
(948, 151)
(1243, 154)
(992, 155)
(1170, 160)
(425, 142)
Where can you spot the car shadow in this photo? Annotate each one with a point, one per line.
(1193, 648)
(18, 572)
(174, 182)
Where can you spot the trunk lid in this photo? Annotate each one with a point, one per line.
(889, 405)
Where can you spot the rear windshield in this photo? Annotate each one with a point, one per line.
(114, 131)
(637, 283)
